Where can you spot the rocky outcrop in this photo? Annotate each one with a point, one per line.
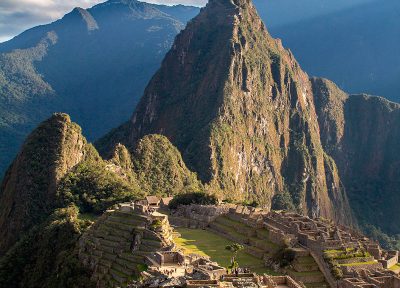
(28, 191)
(241, 111)
(87, 18)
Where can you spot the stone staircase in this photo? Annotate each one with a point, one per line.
(305, 269)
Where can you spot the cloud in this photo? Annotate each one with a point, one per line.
(18, 15)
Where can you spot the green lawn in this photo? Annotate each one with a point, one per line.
(359, 263)
(395, 267)
(207, 243)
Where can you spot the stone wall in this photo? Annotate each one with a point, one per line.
(323, 266)
(371, 281)
(355, 260)
(202, 283)
(197, 216)
(359, 267)
(392, 258)
(280, 281)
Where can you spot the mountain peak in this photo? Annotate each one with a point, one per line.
(240, 110)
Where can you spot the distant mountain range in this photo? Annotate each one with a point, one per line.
(354, 43)
(93, 64)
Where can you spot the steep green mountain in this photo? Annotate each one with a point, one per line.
(28, 191)
(361, 133)
(338, 40)
(229, 103)
(92, 64)
(66, 65)
(241, 111)
(160, 168)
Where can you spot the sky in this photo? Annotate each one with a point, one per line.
(18, 15)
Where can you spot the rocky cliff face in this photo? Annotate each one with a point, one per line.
(360, 132)
(241, 111)
(29, 188)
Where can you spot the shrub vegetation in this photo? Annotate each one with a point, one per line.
(193, 198)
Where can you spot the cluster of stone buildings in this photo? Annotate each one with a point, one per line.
(370, 279)
(136, 234)
(246, 280)
(134, 241)
(174, 269)
(319, 235)
(314, 235)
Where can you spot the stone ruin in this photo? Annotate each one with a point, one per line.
(116, 245)
(319, 235)
(197, 216)
(122, 240)
(134, 241)
(246, 280)
(370, 279)
(246, 225)
(285, 228)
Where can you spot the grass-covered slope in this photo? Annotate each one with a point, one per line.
(208, 243)
(56, 167)
(58, 179)
(95, 185)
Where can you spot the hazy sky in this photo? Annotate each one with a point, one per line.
(19, 15)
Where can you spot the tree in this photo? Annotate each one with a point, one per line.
(141, 268)
(235, 248)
